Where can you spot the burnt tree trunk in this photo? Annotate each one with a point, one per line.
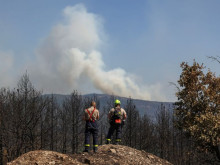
(217, 151)
(1, 151)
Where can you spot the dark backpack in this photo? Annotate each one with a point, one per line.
(116, 117)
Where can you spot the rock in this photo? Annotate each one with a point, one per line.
(87, 161)
(113, 151)
(150, 156)
(52, 163)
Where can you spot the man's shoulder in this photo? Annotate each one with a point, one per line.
(122, 109)
(89, 109)
(112, 110)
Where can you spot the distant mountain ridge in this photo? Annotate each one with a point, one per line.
(143, 106)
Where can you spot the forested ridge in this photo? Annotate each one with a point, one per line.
(32, 121)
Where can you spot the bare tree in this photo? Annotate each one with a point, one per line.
(129, 135)
(163, 127)
(64, 128)
(147, 136)
(215, 58)
(1, 127)
(73, 107)
(22, 112)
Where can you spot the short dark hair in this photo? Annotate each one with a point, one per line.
(93, 103)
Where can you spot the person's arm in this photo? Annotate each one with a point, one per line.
(98, 116)
(110, 114)
(124, 115)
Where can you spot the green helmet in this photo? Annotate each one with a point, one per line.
(117, 102)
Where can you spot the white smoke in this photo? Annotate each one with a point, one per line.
(70, 58)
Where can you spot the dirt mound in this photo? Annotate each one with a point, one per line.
(44, 158)
(119, 155)
(107, 154)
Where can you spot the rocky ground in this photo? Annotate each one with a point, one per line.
(107, 155)
(40, 157)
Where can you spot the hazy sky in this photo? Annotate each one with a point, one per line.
(144, 41)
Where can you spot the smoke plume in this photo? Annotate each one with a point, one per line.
(70, 58)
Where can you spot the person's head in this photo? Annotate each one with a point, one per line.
(117, 103)
(93, 103)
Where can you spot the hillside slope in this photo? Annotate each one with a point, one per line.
(143, 106)
(107, 154)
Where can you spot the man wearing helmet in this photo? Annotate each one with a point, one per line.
(90, 116)
(116, 117)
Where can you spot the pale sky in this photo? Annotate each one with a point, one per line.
(145, 39)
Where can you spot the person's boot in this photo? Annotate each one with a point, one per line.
(95, 149)
(86, 149)
(108, 141)
(117, 142)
